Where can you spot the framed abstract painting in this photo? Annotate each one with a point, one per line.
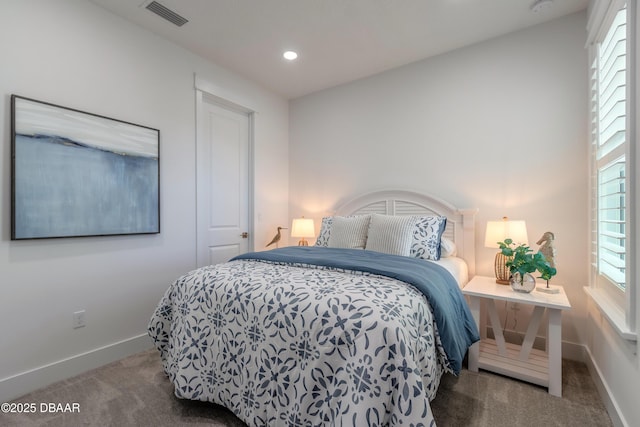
(77, 174)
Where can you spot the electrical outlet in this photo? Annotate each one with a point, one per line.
(79, 319)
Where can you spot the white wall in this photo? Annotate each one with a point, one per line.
(500, 126)
(75, 54)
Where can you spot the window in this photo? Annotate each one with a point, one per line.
(612, 139)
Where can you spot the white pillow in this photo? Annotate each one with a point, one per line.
(391, 234)
(349, 232)
(447, 248)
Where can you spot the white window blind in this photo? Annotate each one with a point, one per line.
(614, 276)
(611, 222)
(609, 103)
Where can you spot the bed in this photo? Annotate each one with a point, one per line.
(329, 334)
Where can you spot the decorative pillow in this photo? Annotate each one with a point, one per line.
(349, 232)
(391, 234)
(427, 236)
(447, 248)
(325, 231)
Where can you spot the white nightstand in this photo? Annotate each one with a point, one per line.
(522, 362)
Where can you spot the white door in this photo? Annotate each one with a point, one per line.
(222, 182)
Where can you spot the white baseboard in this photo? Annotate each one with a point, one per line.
(26, 382)
(609, 401)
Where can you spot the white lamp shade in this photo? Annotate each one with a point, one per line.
(498, 231)
(302, 227)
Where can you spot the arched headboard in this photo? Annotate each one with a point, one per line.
(460, 222)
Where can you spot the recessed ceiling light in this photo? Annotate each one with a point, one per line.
(290, 55)
(540, 5)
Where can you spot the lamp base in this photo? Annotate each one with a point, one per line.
(303, 242)
(501, 269)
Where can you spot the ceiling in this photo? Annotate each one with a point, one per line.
(337, 40)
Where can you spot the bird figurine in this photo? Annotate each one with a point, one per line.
(548, 249)
(276, 238)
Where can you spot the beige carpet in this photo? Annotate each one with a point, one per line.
(135, 392)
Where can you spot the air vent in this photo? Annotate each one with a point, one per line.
(167, 13)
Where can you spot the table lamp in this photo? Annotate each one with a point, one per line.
(302, 227)
(498, 231)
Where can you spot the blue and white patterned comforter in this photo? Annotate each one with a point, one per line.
(296, 344)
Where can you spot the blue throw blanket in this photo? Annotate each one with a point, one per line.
(455, 324)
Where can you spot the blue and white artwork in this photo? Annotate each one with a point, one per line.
(80, 174)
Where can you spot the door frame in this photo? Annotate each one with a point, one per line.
(225, 99)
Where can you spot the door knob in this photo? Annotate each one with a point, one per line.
(245, 235)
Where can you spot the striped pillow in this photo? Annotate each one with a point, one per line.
(349, 232)
(391, 234)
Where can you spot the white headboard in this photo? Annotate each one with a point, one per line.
(460, 222)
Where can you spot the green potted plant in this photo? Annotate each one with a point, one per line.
(522, 262)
